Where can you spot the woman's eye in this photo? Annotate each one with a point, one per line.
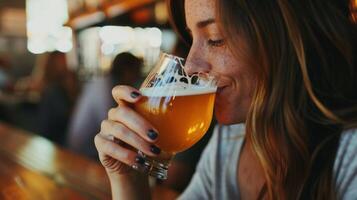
(216, 43)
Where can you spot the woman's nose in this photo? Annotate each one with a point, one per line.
(196, 62)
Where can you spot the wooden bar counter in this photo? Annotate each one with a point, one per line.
(32, 167)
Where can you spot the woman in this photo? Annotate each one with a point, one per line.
(287, 70)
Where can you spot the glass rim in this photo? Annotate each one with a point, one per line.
(171, 56)
(174, 57)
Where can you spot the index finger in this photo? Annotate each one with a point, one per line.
(125, 93)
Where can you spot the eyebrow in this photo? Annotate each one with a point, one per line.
(202, 24)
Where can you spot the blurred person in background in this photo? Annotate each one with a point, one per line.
(58, 95)
(32, 86)
(96, 99)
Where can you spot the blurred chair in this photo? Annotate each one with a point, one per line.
(95, 101)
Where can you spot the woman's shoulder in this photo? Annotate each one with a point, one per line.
(348, 141)
(349, 132)
(345, 167)
(348, 144)
(228, 140)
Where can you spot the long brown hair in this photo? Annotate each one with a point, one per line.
(307, 91)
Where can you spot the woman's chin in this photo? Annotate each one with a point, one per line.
(226, 118)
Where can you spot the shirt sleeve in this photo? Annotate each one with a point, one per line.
(90, 110)
(346, 166)
(201, 186)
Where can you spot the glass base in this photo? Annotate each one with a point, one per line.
(153, 167)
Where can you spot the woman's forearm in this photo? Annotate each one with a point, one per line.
(132, 186)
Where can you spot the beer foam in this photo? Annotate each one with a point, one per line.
(176, 91)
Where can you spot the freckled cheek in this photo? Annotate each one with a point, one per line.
(225, 65)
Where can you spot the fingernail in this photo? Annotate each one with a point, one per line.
(152, 134)
(134, 94)
(155, 149)
(140, 160)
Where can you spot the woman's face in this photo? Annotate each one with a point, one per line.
(210, 53)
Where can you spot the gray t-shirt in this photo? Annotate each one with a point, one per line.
(216, 173)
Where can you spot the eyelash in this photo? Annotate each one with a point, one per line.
(215, 43)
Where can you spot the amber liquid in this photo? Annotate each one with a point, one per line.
(180, 120)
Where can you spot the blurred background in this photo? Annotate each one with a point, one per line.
(59, 60)
(58, 46)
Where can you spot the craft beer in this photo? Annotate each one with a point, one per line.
(181, 117)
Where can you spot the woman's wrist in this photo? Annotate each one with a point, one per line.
(132, 185)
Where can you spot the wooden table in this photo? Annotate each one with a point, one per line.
(32, 167)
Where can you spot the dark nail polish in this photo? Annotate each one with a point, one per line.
(134, 95)
(152, 134)
(140, 160)
(155, 149)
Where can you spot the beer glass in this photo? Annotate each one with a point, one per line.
(179, 106)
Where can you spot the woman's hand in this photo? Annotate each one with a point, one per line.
(124, 133)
